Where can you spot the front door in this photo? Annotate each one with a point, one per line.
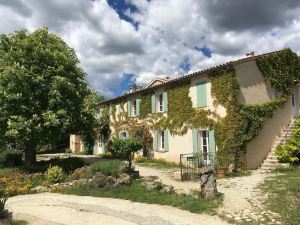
(203, 144)
(295, 102)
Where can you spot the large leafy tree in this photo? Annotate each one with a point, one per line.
(44, 94)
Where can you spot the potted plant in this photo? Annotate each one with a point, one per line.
(127, 148)
(222, 163)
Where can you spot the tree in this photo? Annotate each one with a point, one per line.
(127, 148)
(44, 94)
(144, 135)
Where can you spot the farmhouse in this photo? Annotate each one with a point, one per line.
(234, 113)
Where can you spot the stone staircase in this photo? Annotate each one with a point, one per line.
(271, 160)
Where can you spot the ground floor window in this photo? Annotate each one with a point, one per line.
(203, 141)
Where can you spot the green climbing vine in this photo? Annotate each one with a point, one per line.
(241, 123)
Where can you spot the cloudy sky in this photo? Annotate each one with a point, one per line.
(120, 42)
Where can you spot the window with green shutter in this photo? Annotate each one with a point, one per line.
(212, 145)
(129, 108)
(195, 140)
(166, 140)
(165, 101)
(153, 104)
(138, 102)
(201, 93)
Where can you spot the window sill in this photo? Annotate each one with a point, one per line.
(161, 151)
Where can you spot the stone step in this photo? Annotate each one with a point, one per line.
(271, 161)
(269, 157)
(269, 165)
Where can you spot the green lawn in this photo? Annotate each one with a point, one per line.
(19, 222)
(138, 193)
(284, 195)
(157, 163)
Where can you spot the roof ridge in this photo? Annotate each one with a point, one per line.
(245, 59)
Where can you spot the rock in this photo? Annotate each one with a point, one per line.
(208, 184)
(150, 186)
(40, 189)
(98, 181)
(123, 179)
(151, 178)
(110, 181)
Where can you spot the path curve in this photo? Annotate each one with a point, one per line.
(60, 209)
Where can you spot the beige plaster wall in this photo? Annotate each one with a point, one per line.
(253, 89)
(75, 145)
(177, 145)
(259, 147)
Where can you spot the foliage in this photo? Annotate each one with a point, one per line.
(284, 198)
(290, 152)
(18, 222)
(40, 74)
(79, 174)
(55, 174)
(15, 157)
(3, 211)
(107, 167)
(145, 108)
(282, 68)
(144, 135)
(103, 129)
(67, 164)
(157, 163)
(127, 148)
(14, 184)
(138, 193)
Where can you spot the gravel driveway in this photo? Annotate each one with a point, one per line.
(53, 209)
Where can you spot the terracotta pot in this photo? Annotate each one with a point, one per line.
(221, 171)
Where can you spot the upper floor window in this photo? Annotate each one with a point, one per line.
(160, 103)
(134, 108)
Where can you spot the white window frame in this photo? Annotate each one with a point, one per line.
(161, 140)
(201, 144)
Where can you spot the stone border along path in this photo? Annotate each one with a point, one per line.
(59, 209)
(242, 198)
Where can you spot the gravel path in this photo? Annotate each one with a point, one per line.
(59, 209)
(242, 198)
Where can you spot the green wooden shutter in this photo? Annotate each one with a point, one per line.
(153, 104)
(165, 99)
(138, 101)
(129, 108)
(201, 94)
(195, 140)
(212, 146)
(166, 137)
(155, 142)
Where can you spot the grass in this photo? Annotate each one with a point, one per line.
(138, 193)
(157, 163)
(283, 192)
(18, 222)
(107, 167)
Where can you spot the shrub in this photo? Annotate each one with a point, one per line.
(80, 174)
(290, 152)
(107, 167)
(14, 185)
(127, 148)
(15, 157)
(68, 164)
(55, 174)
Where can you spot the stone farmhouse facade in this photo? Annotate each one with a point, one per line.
(254, 88)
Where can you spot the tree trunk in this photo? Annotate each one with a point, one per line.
(30, 155)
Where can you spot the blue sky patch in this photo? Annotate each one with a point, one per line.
(205, 51)
(120, 6)
(185, 65)
(125, 84)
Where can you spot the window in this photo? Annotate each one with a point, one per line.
(162, 140)
(161, 103)
(203, 142)
(134, 108)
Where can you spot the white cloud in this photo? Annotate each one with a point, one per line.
(168, 32)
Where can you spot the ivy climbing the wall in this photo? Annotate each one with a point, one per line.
(241, 123)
